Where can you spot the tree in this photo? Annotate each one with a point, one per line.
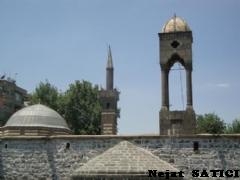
(79, 105)
(234, 127)
(210, 123)
(47, 94)
(81, 108)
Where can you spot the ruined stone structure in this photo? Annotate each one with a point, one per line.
(108, 99)
(176, 46)
(12, 98)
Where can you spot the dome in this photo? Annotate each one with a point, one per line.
(175, 24)
(37, 117)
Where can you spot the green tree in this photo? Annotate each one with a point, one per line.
(210, 123)
(47, 94)
(81, 108)
(79, 105)
(234, 127)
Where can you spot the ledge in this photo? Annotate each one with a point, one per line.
(124, 137)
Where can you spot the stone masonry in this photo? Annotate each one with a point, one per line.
(124, 161)
(175, 42)
(108, 99)
(58, 157)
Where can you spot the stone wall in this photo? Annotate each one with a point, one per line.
(57, 157)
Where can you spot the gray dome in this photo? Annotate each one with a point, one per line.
(37, 116)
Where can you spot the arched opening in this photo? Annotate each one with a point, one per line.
(177, 86)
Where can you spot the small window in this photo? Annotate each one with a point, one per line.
(195, 146)
(108, 105)
(6, 146)
(175, 44)
(67, 145)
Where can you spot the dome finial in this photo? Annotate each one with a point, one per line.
(174, 22)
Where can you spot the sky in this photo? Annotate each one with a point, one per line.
(66, 40)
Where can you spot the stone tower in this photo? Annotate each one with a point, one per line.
(176, 46)
(109, 98)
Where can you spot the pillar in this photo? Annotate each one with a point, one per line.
(165, 89)
(189, 87)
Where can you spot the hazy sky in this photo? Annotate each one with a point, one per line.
(66, 40)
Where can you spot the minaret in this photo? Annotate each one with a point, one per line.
(108, 99)
(109, 70)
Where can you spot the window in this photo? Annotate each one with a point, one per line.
(175, 44)
(67, 145)
(195, 146)
(108, 106)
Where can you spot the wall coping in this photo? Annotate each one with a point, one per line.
(124, 137)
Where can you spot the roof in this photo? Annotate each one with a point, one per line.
(124, 158)
(12, 83)
(37, 116)
(175, 24)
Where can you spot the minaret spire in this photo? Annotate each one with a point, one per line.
(109, 61)
(109, 69)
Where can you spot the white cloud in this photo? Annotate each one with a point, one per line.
(219, 85)
(223, 85)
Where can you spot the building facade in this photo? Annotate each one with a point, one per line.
(12, 99)
(66, 157)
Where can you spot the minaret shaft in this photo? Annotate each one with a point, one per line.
(109, 83)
